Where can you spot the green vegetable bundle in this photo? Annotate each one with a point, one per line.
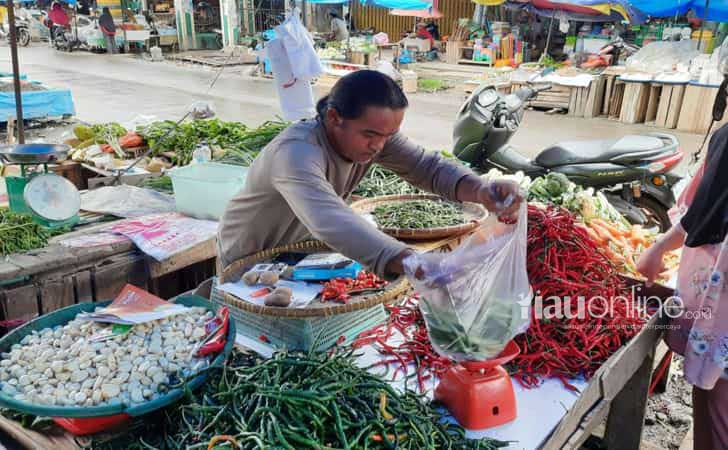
(19, 233)
(103, 133)
(418, 214)
(237, 143)
(297, 401)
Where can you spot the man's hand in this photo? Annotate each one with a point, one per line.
(395, 266)
(500, 197)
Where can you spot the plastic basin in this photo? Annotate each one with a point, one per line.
(203, 190)
(65, 315)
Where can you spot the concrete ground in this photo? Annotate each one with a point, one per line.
(122, 87)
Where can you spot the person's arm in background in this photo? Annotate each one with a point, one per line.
(651, 261)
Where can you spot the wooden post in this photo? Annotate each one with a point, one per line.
(627, 413)
(16, 71)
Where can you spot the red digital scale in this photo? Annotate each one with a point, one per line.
(479, 394)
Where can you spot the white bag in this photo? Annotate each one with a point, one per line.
(295, 94)
(299, 46)
(478, 297)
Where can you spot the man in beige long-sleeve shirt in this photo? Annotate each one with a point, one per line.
(297, 187)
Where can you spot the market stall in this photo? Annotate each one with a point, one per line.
(575, 244)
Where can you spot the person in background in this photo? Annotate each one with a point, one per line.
(700, 333)
(433, 29)
(57, 20)
(350, 21)
(423, 33)
(107, 26)
(339, 30)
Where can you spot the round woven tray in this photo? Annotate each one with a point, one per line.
(474, 215)
(316, 308)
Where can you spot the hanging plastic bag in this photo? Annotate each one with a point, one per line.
(298, 44)
(478, 297)
(295, 95)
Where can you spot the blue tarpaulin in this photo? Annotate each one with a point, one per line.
(717, 12)
(38, 104)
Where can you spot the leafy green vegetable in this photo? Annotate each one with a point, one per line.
(418, 214)
(20, 233)
(238, 144)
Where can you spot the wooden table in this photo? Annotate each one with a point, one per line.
(616, 394)
(43, 280)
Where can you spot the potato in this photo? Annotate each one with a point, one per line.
(250, 278)
(277, 299)
(268, 278)
(284, 291)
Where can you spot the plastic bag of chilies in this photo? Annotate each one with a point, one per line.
(476, 298)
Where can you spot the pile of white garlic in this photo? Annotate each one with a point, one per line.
(61, 366)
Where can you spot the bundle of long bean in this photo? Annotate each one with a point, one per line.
(380, 181)
(418, 214)
(296, 401)
(566, 267)
(19, 233)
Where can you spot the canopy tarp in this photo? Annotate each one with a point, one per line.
(717, 10)
(584, 10)
(399, 4)
(328, 2)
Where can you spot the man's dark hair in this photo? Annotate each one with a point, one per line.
(352, 94)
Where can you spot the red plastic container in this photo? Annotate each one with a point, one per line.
(90, 425)
(480, 394)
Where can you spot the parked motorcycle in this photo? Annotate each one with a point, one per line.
(635, 172)
(22, 32)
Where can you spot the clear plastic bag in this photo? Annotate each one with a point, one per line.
(478, 297)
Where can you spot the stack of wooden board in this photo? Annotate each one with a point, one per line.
(696, 112)
(587, 101)
(557, 97)
(635, 102)
(669, 104)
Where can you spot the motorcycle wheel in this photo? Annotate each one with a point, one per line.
(656, 213)
(23, 37)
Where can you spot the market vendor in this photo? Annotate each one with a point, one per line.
(297, 187)
(339, 29)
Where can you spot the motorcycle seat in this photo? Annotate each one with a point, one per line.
(590, 152)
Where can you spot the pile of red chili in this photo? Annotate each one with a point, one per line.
(338, 289)
(564, 265)
(415, 347)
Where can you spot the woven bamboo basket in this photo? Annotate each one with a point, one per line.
(234, 271)
(474, 215)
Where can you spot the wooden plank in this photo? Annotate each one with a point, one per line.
(608, 94)
(653, 101)
(572, 103)
(663, 106)
(673, 112)
(589, 397)
(634, 106)
(20, 303)
(113, 275)
(590, 423)
(83, 287)
(34, 440)
(627, 412)
(56, 294)
(200, 252)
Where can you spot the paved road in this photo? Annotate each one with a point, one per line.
(122, 87)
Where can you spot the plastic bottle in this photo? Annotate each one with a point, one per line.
(202, 153)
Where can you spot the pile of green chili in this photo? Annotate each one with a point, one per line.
(298, 401)
(418, 214)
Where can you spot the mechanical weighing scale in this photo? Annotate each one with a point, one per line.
(52, 200)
